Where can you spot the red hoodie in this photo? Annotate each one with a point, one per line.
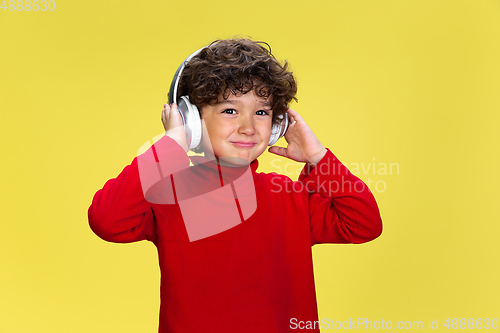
(254, 274)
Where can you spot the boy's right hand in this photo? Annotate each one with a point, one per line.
(172, 122)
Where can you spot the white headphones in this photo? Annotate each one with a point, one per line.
(191, 116)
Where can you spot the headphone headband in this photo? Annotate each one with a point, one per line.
(172, 93)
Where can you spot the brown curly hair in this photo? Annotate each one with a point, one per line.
(238, 64)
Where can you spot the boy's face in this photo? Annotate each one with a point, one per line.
(238, 128)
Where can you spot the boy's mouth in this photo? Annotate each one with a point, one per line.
(243, 144)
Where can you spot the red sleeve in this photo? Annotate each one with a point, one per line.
(342, 208)
(119, 211)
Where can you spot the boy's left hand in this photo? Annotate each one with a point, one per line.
(303, 145)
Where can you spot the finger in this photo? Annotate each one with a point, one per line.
(175, 113)
(278, 151)
(164, 113)
(294, 115)
(174, 109)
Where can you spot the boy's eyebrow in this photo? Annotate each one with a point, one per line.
(231, 101)
(228, 101)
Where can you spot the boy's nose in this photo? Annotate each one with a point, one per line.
(246, 126)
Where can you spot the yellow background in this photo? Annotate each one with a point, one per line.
(416, 83)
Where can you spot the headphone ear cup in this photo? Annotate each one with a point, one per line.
(279, 130)
(191, 120)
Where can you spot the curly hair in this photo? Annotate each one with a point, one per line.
(238, 65)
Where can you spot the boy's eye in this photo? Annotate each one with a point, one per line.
(233, 111)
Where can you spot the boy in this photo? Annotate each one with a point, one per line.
(255, 274)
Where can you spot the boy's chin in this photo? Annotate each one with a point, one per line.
(233, 161)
